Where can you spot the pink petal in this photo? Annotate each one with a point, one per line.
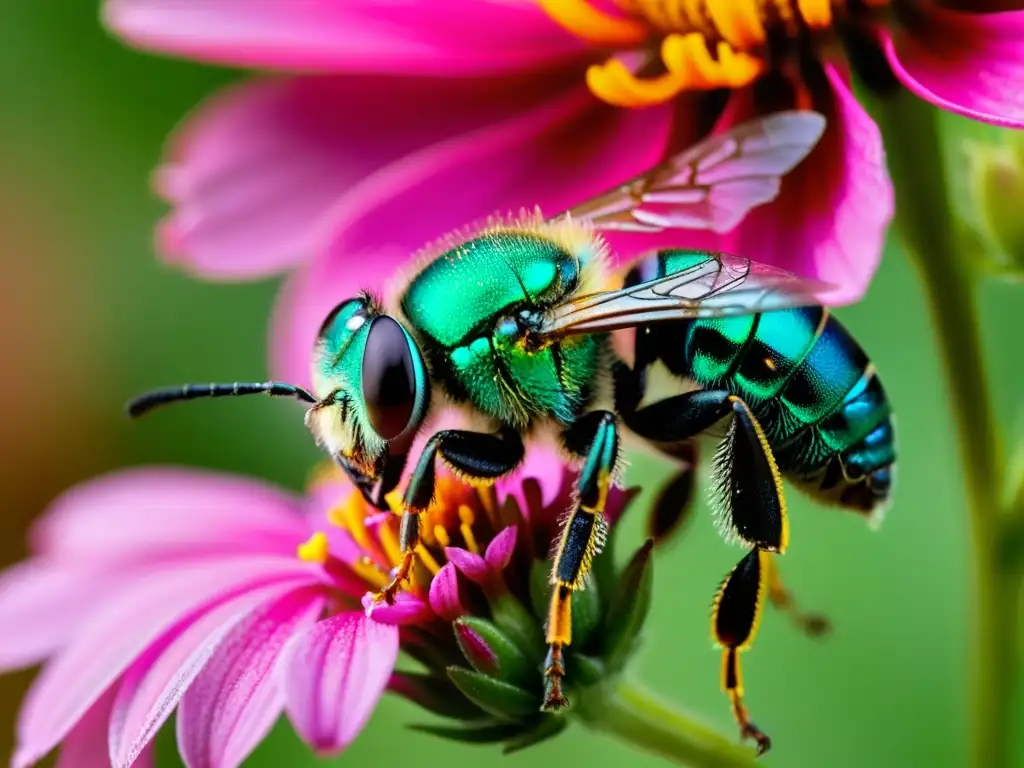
(968, 63)
(445, 598)
(333, 675)
(408, 609)
(48, 603)
(542, 463)
(254, 172)
(453, 37)
(123, 627)
(235, 700)
(154, 684)
(471, 565)
(553, 155)
(142, 513)
(830, 219)
(500, 550)
(86, 746)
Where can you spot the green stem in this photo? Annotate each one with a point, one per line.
(915, 159)
(640, 719)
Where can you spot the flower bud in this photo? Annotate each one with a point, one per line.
(995, 188)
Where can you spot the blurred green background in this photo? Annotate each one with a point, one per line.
(90, 317)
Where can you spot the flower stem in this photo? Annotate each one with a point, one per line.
(638, 718)
(923, 218)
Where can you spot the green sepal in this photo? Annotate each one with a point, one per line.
(435, 694)
(489, 733)
(509, 665)
(549, 727)
(499, 698)
(518, 624)
(628, 608)
(540, 588)
(583, 671)
(586, 603)
(427, 651)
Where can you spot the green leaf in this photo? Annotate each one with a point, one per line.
(437, 695)
(499, 698)
(493, 733)
(628, 608)
(549, 727)
(507, 662)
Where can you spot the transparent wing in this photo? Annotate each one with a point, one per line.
(711, 185)
(719, 286)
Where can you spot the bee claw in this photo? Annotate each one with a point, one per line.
(751, 731)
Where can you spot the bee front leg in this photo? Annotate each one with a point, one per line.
(475, 456)
(595, 437)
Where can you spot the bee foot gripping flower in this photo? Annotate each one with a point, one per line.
(234, 602)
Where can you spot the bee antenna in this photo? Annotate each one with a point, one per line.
(150, 400)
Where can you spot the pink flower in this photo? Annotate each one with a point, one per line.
(234, 601)
(339, 177)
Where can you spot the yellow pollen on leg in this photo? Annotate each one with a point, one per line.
(315, 549)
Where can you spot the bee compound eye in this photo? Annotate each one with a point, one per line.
(389, 378)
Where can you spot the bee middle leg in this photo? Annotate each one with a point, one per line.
(752, 505)
(594, 437)
(476, 456)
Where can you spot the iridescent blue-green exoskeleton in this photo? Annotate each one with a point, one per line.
(512, 323)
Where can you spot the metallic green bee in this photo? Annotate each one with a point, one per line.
(512, 323)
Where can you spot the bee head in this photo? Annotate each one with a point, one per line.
(372, 389)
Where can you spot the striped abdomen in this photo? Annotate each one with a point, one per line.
(817, 396)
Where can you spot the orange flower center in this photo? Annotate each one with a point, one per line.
(701, 44)
(459, 515)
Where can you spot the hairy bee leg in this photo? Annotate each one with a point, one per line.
(477, 456)
(812, 624)
(595, 437)
(752, 504)
(735, 618)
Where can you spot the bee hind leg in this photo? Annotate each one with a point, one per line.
(752, 508)
(473, 455)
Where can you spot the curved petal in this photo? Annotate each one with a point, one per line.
(500, 550)
(407, 609)
(449, 37)
(555, 155)
(470, 564)
(153, 686)
(445, 595)
(830, 219)
(86, 744)
(333, 676)
(235, 700)
(142, 513)
(968, 63)
(123, 628)
(252, 175)
(48, 603)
